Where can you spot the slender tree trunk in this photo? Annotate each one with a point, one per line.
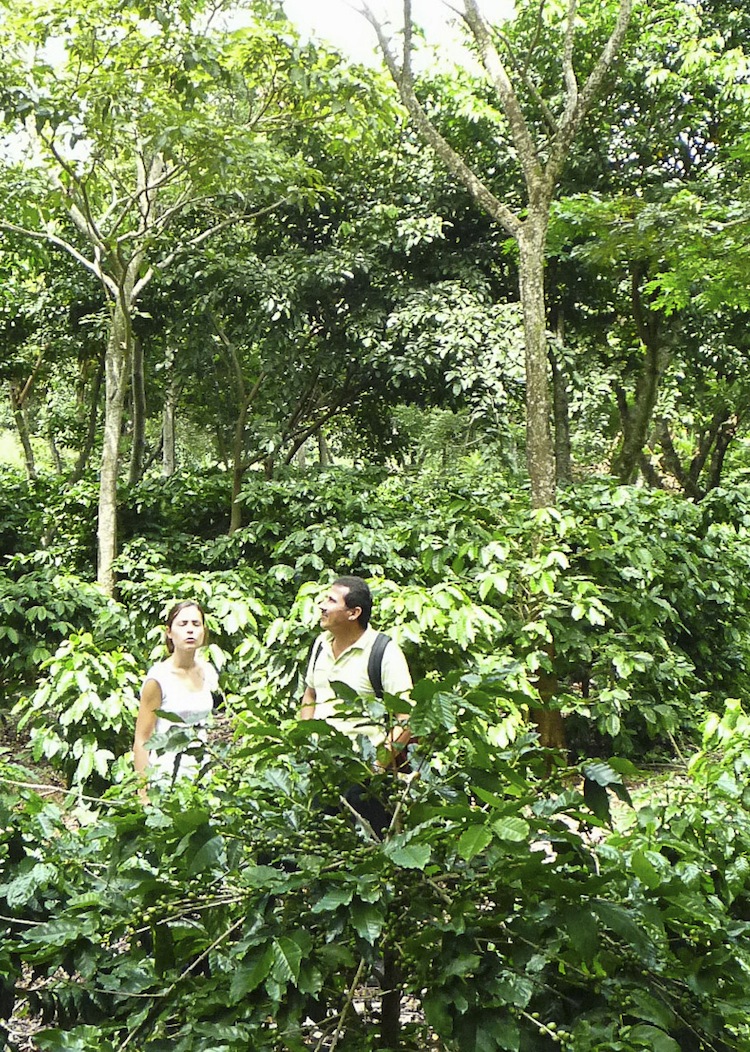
(724, 439)
(245, 399)
(138, 399)
(561, 410)
(636, 414)
(117, 376)
(540, 456)
(93, 412)
(238, 468)
(708, 460)
(540, 453)
(168, 430)
(18, 394)
(324, 453)
(168, 446)
(54, 452)
(390, 1002)
(22, 428)
(549, 722)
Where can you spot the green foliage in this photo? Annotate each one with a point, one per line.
(231, 916)
(173, 516)
(41, 605)
(631, 602)
(48, 518)
(652, 633)
(236, 618)
(439, 628)
(81, 715)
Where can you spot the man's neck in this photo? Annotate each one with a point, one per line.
(345, 637)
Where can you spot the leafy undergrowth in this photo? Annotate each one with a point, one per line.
(253, 911)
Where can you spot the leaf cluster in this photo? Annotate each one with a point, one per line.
(239, 912)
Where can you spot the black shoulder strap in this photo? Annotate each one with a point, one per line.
(375, 663)
(316, 654)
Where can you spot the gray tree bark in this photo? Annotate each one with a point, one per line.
(541, 166)
(168, 424)
(22, 428)
(116, 377)
(138, 421)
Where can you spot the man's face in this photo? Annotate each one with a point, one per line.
(334, 613)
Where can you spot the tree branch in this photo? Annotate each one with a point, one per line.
(403, 79)
(578, 103)
(205, 234)
(527, 152)
(60, 242)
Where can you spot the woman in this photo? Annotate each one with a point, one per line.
(182, 685)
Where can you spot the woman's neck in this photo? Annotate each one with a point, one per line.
(183, 660)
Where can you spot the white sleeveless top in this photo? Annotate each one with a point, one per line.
(193, 707)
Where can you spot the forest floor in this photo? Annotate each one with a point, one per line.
(660, 783)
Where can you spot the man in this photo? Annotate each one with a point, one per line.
(341, 654)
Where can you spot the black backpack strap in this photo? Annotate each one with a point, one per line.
(316, 654)
(375, 663)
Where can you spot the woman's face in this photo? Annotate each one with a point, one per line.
(187, 630)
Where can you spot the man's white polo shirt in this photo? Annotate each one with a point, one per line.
(350, 667)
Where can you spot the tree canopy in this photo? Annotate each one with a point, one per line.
(473, 329)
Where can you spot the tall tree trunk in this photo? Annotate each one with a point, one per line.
(540, 456)
(22, 428)
(117, 376)
(138, 400)
(168, 430)
(93, 412)
(561, 412)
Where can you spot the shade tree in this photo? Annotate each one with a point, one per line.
(305, 322)
(671, 368)
(51, 340)
(651, 282)
(540, 120)
(130, 117)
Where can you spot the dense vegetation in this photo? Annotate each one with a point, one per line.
(476, 332)
(230, 915)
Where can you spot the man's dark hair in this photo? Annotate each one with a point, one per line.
(358, 594)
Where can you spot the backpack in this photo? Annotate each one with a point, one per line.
(375, 676)
(374, 662)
